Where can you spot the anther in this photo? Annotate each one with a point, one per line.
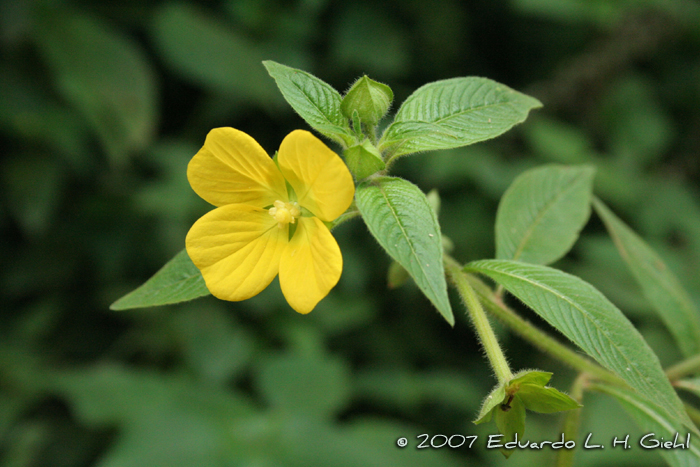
(285, 213)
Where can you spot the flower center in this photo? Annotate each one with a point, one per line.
(285, 213)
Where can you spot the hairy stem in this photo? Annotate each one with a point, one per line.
(481, 324)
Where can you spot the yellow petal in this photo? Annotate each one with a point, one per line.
(232, 168)
(237, 248)
(321, 180)
(310, 266)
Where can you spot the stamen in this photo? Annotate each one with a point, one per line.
(285, 213)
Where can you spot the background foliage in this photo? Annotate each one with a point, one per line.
(102, 104)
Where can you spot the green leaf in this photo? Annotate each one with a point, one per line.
(28, 112)
(495, 398)
(399, 216)
(404, 389)
(309, 386)
(586, 317)
(510, 421)
(104, 75)
(210, 343)
(659, 285)
(652, 420)
(364, 441)
(540, 216)
(315, 101)
(538, 378)
(370, 99)
(33, 186)
(556, 141)
(205, 423)
(530, 387)
(178, 281)
(545, 399)
(211, 53)
(453, 113)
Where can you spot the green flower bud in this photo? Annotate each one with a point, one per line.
(363, 160)
(369, 98)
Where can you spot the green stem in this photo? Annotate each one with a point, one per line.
(481, 323)
(572, 421)
(693, 413)
(684, 368)
(372, 130)
(533, 335)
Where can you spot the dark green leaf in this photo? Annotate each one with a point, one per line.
(399, 216)
(27, 111)
(211, 53)
(303, 385)
(104, 75)
(541, 214)
(510, 420)
(178, 281)
(453, 113)
(33, 187)
(557, 141)
(163, 420)
(659, 285)
(584, 315)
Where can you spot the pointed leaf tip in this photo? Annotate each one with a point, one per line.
(178, 281)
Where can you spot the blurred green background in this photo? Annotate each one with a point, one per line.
(102, 104)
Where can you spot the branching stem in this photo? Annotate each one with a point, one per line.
(532, 334)
(684, 368)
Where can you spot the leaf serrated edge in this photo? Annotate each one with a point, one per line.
(342, 135)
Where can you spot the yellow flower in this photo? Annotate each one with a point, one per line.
(268, 219)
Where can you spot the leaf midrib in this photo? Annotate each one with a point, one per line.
(310, 101)
(176, 285)
(408, 240)
(437, 122)
(456, 114)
